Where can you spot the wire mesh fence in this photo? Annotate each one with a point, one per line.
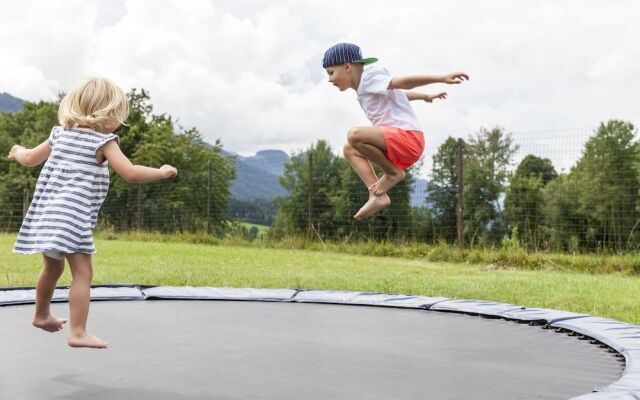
(567, 190)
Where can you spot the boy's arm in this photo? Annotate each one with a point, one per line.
(426, 97)
(134, 173)
(30, 157)
(414, 81)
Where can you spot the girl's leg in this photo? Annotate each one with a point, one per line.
(369, 141)
(79, 299)
(51, 271)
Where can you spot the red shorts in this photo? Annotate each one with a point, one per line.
(404, 148)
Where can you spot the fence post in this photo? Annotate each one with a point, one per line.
(309, 197)
(139, 212)
(25, 201)
(459, 191)
(209, 197)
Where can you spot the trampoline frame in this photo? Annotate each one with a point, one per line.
(618, 337)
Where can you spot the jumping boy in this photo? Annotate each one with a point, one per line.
(395, 141)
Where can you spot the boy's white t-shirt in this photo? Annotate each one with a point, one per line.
(384, 106)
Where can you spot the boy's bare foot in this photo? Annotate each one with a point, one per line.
(49, 324)
(387, 181)
(372, 206)
(86, 340)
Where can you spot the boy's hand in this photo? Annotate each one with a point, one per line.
(168, 171)
(456, 78)
(14, 150)
(429, 98)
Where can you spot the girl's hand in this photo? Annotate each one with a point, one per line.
(456, 78)
(429, 98)
(168, 172)
(14, 151)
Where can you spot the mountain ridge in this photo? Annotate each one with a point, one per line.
(9, 103)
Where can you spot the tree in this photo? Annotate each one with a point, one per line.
(608, 184)
(293, 210)
(442, 189)
(564, 225)
(524, 198)
(488, 155)
(28, 127)
(178, 204)
(173, 205)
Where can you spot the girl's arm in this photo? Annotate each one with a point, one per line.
(30, 157)
(426, 97)
(134, 173)
(414, 81)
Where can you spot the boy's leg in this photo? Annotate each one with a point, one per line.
(51, 271)
(360, 165)
(363, 168)
(369, 141)
(79, 300)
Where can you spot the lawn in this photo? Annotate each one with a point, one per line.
(613, 295)
(262, 229)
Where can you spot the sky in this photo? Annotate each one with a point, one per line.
(248, 72)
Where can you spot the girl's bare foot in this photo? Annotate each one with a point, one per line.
(387, 181)
(49, 324)
(86, 340)
(372, 206)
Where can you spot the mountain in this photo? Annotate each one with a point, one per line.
(257, 176)
(8, 103)
(268, 160)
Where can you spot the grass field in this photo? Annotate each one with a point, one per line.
(262, 229)
(612, 295)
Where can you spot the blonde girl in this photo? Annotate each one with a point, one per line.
(71, 188)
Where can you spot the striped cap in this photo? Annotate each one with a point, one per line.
(343, 53)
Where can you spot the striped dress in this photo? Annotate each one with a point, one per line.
(70, 190)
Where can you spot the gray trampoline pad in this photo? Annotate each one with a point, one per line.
(256, 350)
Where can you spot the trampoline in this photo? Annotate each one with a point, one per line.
(307, 344)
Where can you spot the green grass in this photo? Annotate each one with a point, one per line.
(600, 263)
(611, 295)
(262, 229)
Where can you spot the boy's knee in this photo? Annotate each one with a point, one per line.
(347, 150)
(354, 136)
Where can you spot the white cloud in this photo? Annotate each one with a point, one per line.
(249, 72)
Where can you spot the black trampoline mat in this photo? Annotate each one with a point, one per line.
(167, 349)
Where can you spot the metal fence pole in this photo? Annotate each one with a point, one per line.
(25, 201)
(209, 197)
(139, 211)
(459, 192)
(309, 197)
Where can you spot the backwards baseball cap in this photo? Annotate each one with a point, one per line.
(343, 53)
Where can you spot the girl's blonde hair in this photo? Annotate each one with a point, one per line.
(96, 103)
